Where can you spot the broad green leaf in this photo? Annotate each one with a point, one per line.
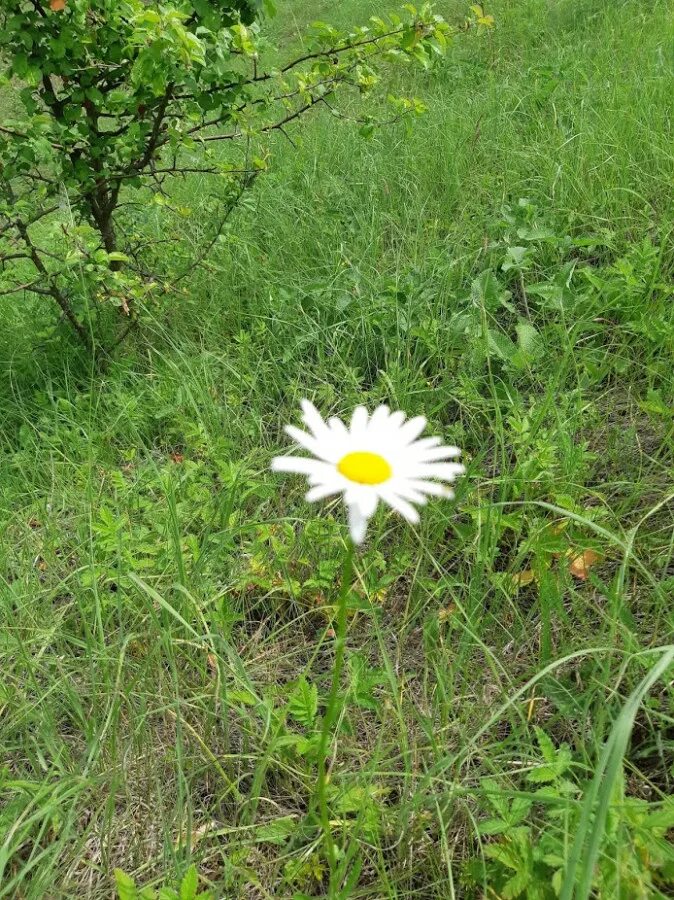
(545, 744)
(189, 884)
(493, 826)
(276, 832)
(661, 818)
(126, 887)
(529, 340)
(516, 885)
(504, 854)
(242, 696)
(519, 810)
(501, 346)
(486, 290)
(303, 703)
(542, 774)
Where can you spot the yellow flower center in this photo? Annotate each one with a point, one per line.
(365, 468)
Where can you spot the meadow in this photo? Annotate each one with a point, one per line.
(503, 265)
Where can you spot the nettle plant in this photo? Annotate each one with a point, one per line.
(115, 97)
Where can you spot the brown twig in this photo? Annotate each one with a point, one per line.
(32, 286)
(52, 289)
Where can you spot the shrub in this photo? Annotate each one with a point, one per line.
(116, 95)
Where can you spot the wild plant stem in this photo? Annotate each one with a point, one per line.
(332, 707)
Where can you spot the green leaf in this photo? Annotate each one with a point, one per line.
(535, 233)
(486, 291)
(542, 775)
(661, 818)
(564, 758)
(303, 703)
(529, 340)
(547, 748)
(364, 681)
(276, 832)
(189, 884)
(519, 810)
(496, 798)
(516, 885)
(515, 258)
(241, 696)
(126, 887)
(493, 826)
(504, 854)
(501, 345)
(20, 64)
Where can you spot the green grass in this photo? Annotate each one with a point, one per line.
(505, 267)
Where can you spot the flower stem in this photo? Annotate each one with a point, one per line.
(332, 707)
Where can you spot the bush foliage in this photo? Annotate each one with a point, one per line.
(120, 95)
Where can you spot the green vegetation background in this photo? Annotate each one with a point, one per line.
(506, 266)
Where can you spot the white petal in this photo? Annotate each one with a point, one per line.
(433, 453)
(338, 428)
(429, 487)
(411, 430)
(441, 471)
(323, 490)
(406, 510)
(367, 499)
(404, 489)
(425, 443)
(321, 449)
(301, 465)
(308, 441)
(395, 420)
(359, 421)
(357, 524)
(379, 418)
(314, 420)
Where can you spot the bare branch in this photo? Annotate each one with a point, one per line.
(51, 288)
(232, 135)
(11, 256)
(156, 130)
(333, 51)
(245, 184)
(11, 132)
(133, 323)
(33, 286)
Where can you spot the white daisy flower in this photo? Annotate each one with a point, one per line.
(378, 457)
